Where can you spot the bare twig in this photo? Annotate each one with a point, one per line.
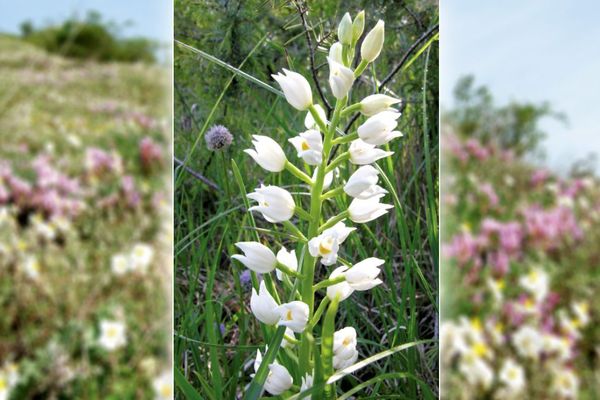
(302, 8)
(197, 175)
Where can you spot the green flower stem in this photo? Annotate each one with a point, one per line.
(350, 109)
(345, 58)
(317, 118)
(308, 266)
(288, 271)
(315, 319)
(329, 282)
(346, 138)
(361, 67)
(291, 339)
(327, 344)
(337, 161)
(297, 172)
(271, 287)
(303, 214)
(295, 231)
(333, 193)
(334, 220)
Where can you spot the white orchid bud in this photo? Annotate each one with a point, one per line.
(294, 315)
(295, 88)
(274, 203)
(373, 42)
(327, 244)
(278, 380)
(362, 211)
(362, 153)
(288, 332)
(341, 290)
(363, 183)
(267, 153)
(287, 258)
(309, 121)
(307, 383)
(263, 305)
(309, 145)
(344, 348)
(336, 52)
(363, 275)
(377, 103)
(341, 78)
(257, 257)
(345, 29)
(358, 26)
(328, 178)
(379, 129)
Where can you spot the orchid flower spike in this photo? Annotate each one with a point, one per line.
(295, 88)
(263, 305)
(274, 203)
(267, 153)
(257, 257)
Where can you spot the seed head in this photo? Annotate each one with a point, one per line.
(218, 137)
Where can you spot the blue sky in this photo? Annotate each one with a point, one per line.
(530, 51)
(149, 18)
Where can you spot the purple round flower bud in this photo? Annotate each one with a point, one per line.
(218, 137)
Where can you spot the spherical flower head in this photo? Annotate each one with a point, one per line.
(287, 258)
(112, 335)
(257, 257)
(263, 305)
(340, 290)
(379, 129)
(294, 315)
(362, 211)
(267, 153)
(218, 137)
(274, 203)
(344, 348)
(341, 78)
(363, 275)
(377, 103)
(295, 88)
(373, 42)
(309, 145)
(362, 153)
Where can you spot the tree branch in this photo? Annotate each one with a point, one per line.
(197, 175)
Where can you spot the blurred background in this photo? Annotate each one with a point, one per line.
(85, 200)
(520, 200)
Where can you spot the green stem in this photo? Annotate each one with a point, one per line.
(315, 319)
(297, 172)
(334, 220)
(291, 339)
(329, 282)
(327, 344)
(333, 193)
(303, 214)
(346, 138)
(286, 270)
(361, 67)
(295, 231)
(317, 118)
(350, 109)
(337, 161)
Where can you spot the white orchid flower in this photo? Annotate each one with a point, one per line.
(363, 183)
(294, 315)
(373, 42)
(335, 52)
(263, 305)
(379, 129)
(377, 103)
(341, 78)
(274, 203)
(344, 348)
(327, 244)
(295, 88)
(362, 153)
(307, 383)
(287, 258)
(278, 380)
(309, 145)
(363, 275)
(362, 211)
(341, 290)
(257, 257)
(267, 153)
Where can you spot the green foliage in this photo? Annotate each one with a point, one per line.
(90, 39)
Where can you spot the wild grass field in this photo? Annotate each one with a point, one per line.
(84, 227)
(521, 243)
(225, 54)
